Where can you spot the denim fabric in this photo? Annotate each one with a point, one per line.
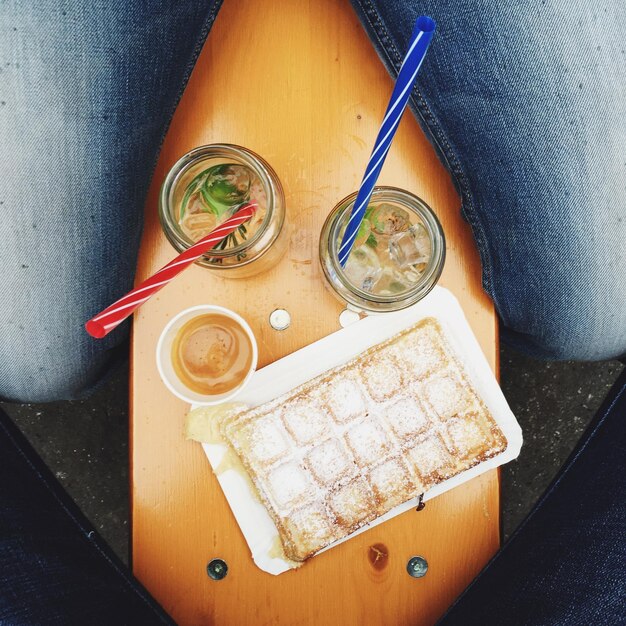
(526, 104)
(54, 567)
(87, 90)
(565, 564)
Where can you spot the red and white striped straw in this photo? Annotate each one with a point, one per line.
(103, 323)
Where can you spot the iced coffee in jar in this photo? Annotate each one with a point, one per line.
(397, 257)
(205, 187)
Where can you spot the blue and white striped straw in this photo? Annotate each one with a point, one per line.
(420, 39)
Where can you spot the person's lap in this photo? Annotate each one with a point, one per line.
(565, 563)
(528, 115)
(563, 566)
(526, 105)
(87, 93)
(54, 567)
(526, 112)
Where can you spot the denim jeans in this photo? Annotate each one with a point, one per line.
(54, 567)
(524, 102)
(565, 562)
(563, 567)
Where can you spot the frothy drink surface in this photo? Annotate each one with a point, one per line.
(212, 354)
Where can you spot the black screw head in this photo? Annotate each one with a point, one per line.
(217, 569)
(417, 566)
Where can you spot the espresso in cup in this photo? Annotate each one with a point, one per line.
(212, 354)
(206, 355)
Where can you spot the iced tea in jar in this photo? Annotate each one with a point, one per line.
(205, 187)
(397, 257)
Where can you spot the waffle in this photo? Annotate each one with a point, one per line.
(346, 447)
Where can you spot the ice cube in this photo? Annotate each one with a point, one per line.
(194, 206)
(387, 219)
(363, 267)
(198, 225)
(391, 282)
(257, 192)
(411, 247)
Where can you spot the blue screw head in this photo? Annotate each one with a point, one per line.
(417, 566)
(217, 569)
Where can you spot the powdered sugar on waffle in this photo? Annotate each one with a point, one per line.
(352, 443)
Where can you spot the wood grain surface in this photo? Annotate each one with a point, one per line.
(312, 95)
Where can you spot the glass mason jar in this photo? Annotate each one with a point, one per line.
(267, 234)
(394, 296)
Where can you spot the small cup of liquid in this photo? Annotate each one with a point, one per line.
(206, 354)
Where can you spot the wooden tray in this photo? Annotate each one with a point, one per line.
(318, 94)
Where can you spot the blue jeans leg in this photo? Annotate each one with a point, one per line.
(565, 563)
(87, 90)
(54, 567)
(527, 117)
(525, 103)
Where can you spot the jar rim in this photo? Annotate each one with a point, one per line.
(429, 219)
(190, 159)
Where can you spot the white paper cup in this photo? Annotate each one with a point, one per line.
(164, 356)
